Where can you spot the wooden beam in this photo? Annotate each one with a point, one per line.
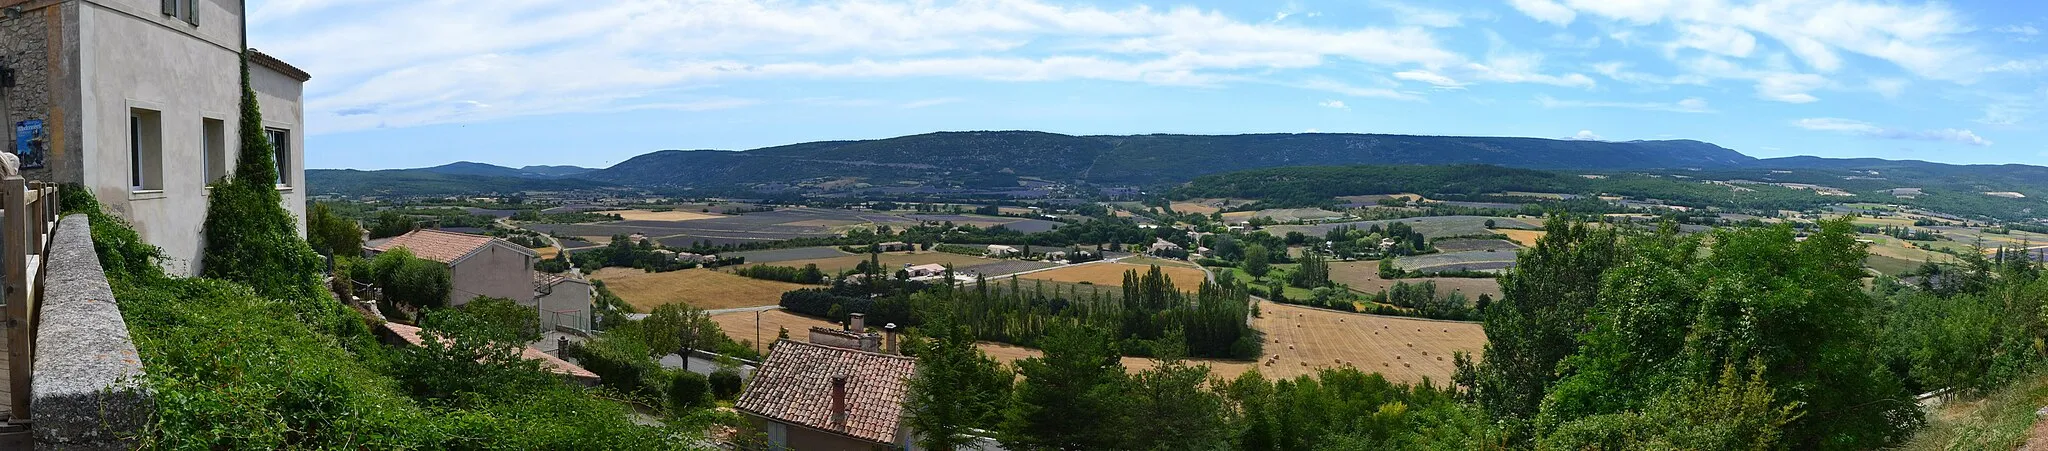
(14, 244)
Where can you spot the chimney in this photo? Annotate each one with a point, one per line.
(858, 323)
(889, 330)
(839, 401)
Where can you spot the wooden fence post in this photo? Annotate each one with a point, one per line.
(14, 246)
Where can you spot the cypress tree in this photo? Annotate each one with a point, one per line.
(250, 237)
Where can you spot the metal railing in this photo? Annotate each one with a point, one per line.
(28, 209)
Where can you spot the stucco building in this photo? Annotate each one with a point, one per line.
(139, 101)
(478, 265)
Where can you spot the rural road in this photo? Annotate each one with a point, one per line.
(743, 309)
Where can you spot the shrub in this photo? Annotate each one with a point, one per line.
(687, 391)
(725, 384)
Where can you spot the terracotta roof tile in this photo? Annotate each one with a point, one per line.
(794, 385)
(436, 245)
(411, 334)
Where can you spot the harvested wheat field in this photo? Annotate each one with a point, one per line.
(700, 288)
(546, 252)
(1524, 237)
(1364, 277)
(1194, 207)
(1112, 274)
(1305, 340)
(1404, 349)
(1301, 341)
(671, 215)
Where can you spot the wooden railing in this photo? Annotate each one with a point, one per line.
(28, 209)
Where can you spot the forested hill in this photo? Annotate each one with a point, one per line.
(997, 158)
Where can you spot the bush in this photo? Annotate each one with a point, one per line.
(725, 384)
(688, 391)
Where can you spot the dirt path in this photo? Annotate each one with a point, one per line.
(2037, 438)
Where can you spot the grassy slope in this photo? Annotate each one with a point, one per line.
(2001, 420)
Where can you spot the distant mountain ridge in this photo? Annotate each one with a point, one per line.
(1135, 159)
(996, 159)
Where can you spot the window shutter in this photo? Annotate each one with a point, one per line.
(170, 7)
(191, 12)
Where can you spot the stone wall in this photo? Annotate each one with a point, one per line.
(88, 391)
(35, 46)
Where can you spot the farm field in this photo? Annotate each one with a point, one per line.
(1112, 274)
(1025, 225)
(672, 215)
(1306, 340)
(1194, 207)
(771, 225)
(1523, 237)
(1890, 266)
(700, 288)
(1432, 226)
(892, 260)
(1465, 245)
(1297, 214)
(781, 255)
(1148, 261)
(1454, 261)
(1004, 267)
(1364, 277)
(546, 252)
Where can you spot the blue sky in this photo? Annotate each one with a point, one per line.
(410, 83)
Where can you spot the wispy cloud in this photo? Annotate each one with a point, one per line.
(1686, 105)
(1334, 104)
(1358, 91)
(1585, 135)
(1866, 129)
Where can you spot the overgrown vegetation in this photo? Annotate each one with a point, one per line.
(264, 358)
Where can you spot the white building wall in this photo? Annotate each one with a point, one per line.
(133, 56)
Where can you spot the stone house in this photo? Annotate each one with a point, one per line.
(815, 397)
(139, 101)
(478, 265)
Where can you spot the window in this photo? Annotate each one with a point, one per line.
(281, 146)
(214, 149)
(183, 9)
(145, 150)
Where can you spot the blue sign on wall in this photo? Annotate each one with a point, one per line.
(30, 144)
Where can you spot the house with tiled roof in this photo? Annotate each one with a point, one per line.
(810, 396)
(406, 335)
(478, 265)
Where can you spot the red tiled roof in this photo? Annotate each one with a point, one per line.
(794, 385)
(411, 334)
(436, 245)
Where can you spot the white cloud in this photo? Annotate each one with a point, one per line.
(1334, 104)
(1358, 91)
(1618, 71)
(1686, 105)
(1729, 41)
(2020, 33)
(1431, 78)
(403, 63)
(1924, 39)
(1408, 14)
(1585, 135)
(1311, 131)
(1545, 11)
(1866, 129)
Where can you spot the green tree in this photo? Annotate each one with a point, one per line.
(390, 223)
(1256, 261)
(508, 320)
(1173, 410)
(957, 387)
(331, 234)
(412, 281)
(1072, 397)
(1543, 309)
